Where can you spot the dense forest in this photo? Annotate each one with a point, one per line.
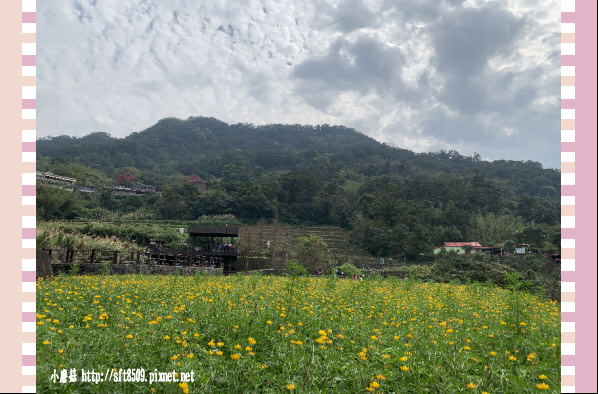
(394, 201)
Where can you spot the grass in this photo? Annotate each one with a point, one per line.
(308, 335)
(99, 235)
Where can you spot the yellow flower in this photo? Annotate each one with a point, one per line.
(543, 386)
(396, 337)
(220, 344)
(291, 386)
(542, 377)
(405, 368)
(166, 337)
(268, 322)
(382, 377)
(235, 356)
(493, 353)
(403, 359)
(129, 336)
(374, 384)
(251, 341)
(219, 353)
(471, 385)
(237, 346)
(512, 358)
(174, 357)
(60, 351)
(374, 338)
(369, 388)
(248, 349)
(522, 324)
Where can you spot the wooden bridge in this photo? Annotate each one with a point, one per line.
(201, 250)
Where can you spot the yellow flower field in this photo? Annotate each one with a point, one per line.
(275, 334)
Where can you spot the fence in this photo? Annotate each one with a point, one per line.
(79, 256)
(173, 257)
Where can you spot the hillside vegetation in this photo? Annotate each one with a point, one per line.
(393, 201)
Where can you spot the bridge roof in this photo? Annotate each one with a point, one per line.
(214, 231)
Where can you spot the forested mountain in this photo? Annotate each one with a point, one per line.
(395, 201)
(203, 145)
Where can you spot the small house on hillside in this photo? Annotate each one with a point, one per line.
(56, 180)
(133, 190)
(460, 248)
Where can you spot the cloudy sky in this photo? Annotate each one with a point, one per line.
(426, 75)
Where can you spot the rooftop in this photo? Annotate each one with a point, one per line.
(461, 244)
(214, 231)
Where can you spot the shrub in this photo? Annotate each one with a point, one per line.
(350, 270)
(420, 272)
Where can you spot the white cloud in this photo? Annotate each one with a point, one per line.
(120, 65)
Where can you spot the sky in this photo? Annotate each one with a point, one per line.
(474, 76)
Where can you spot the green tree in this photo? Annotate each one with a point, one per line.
(313, 253)
(54, 203)
(254, 204)
(532, 235)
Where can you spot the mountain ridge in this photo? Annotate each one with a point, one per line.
(205, 145)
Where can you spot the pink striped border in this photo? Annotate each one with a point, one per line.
(28, 227)
(578, 196)
(567, 195)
